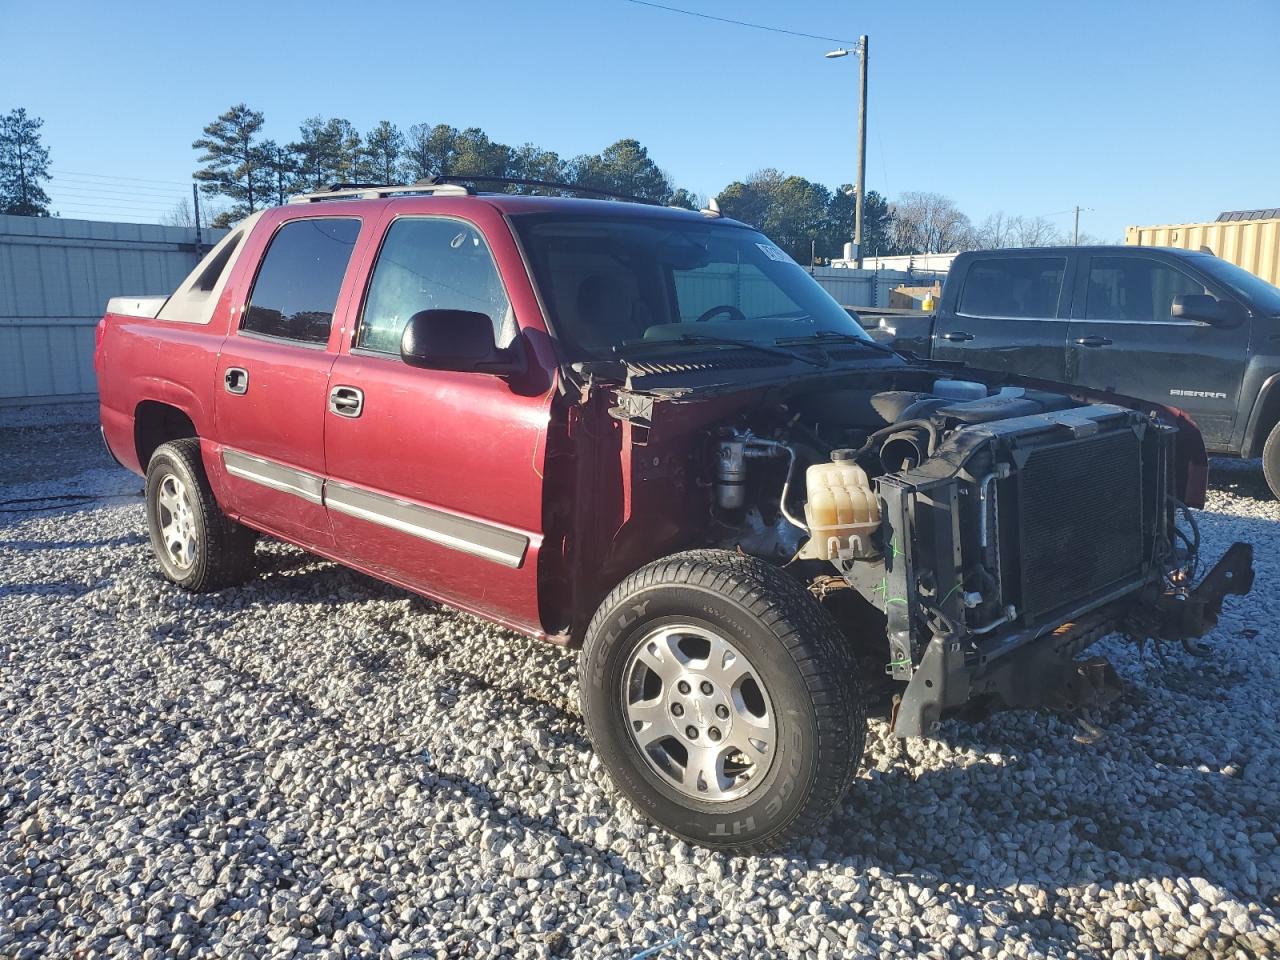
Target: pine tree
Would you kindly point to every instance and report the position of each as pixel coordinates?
(24, 163)
(383, 146)
(327, 151)
(234, 165)
(623, 167)
(281, 171)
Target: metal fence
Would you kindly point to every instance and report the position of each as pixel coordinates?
(868, 288)
(56, 276)
(756, 295)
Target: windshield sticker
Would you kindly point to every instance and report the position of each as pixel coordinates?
(773, 253)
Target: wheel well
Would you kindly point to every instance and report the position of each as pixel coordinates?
(155, 423)
(1267, 418)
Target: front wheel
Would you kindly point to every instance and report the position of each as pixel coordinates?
(722, 700)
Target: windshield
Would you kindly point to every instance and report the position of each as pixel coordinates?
(1259, 294)
(610, 281)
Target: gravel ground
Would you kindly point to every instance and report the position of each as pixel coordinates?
(318, 764)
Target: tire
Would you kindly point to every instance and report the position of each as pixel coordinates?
(210, 551)
(798, 675)
(1271, 461)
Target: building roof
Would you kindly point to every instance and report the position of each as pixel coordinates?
(1266, 213)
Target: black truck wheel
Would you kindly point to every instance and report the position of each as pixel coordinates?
(199, 547)
(722, 700)
(1271, 461)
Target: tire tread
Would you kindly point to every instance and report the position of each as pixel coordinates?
(812, 639)
(228, 546)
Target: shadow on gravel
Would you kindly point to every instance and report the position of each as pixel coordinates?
(881, 826)
(299, 577)
(1019, 816)
(1161, 794)
(57, 588)
(1241, 478)
(123, 540)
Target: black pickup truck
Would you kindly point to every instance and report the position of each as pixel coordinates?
(1176, 327)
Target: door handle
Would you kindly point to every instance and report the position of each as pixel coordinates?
(1092, 341)
(957, 336)
(236, 380)
(346, 401)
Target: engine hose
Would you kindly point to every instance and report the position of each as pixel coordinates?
(925, 425)
(1194, 545)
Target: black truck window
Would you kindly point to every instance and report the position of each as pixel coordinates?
(1134, 289)
(1013, 287)
(297, 287)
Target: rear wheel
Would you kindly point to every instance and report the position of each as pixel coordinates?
(198, 546)
(722, 700)
(1271, 460)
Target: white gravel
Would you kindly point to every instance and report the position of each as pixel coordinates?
(319, 765)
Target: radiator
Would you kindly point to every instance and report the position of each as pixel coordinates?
(1080, 519)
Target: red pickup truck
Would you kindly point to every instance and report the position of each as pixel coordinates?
(649, 432)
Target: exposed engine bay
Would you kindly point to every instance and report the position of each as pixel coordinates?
(976, 518)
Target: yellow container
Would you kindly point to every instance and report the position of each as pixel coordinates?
(841, 509)
(1251, 244)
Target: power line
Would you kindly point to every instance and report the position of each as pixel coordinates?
(124, 200)
(136, 197)
(117, 185)
(106, 176)
(740, 23)
(108, 203)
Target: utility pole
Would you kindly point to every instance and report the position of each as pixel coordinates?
(860, 198)
(1075, 237)
(862, 150)
(195, 206)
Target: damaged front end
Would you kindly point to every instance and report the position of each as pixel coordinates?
(1019, 543)
(992, 531)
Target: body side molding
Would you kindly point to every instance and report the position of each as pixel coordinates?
(475, 537)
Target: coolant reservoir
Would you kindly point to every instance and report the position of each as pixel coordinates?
(841, 510)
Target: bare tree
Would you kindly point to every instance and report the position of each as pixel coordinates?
(930, 223)
(1037, 232)
(996, 232)
(182, 214)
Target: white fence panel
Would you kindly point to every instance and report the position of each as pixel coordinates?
(56, 277)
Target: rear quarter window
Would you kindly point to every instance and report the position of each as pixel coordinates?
(1013, 287)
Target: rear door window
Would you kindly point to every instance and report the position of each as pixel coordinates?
(1134, 289)
(1013, 287)
(296, 291)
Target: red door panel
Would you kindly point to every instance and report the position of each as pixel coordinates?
(438, 482)
(272, 450)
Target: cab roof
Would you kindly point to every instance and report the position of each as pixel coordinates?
(609, 205)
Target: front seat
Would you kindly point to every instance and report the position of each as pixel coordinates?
(608, 312)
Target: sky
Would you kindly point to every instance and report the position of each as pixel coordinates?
(1140, 111)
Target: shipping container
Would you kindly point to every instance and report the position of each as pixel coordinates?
(1251, 244)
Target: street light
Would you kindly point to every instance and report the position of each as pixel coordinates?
(861, 51)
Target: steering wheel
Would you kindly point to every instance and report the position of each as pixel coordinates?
(726, 308)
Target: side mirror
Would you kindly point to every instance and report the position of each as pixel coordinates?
(1201, 307)
(459, 340)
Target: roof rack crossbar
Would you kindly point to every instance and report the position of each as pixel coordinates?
(458, 178)
(453, 185)
(376, 191)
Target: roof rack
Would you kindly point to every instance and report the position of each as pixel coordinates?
(453, 185)
(377, 191)
(459, 178)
